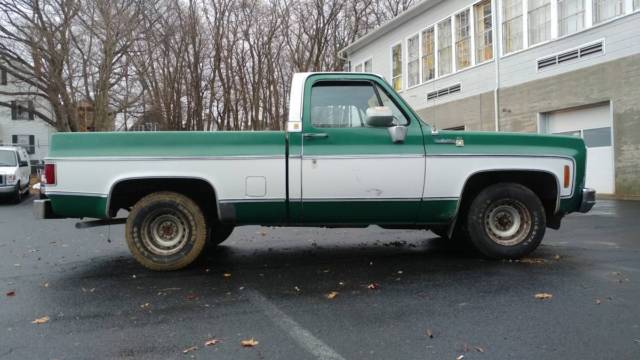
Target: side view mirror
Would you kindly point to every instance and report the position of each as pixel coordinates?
(379, 116)
(398, 133)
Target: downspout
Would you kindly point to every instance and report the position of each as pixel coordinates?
(498, 50)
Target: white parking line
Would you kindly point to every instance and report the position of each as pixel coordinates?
(303, 337)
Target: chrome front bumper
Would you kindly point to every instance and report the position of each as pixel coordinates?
(42, 209)
(588, 200)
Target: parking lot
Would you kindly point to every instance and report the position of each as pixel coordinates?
(305, 293)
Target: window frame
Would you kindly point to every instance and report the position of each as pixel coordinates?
(433, 53)
(392, 77)
(377, 87)
(452, 61)
(548, 6)
(592, 3)
(470, 38)
(418, 59)
(492, 31)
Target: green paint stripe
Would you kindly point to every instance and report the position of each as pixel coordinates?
(75, 206)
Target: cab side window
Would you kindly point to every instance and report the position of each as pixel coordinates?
(344, 104)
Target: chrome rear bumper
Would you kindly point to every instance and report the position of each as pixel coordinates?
(588, 200)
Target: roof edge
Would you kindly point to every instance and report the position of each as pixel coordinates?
(388, 26)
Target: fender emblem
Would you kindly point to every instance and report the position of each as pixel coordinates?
(459, 142)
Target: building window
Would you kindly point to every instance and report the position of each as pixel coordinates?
(484, 31)
(358, 68)
(636, 4)
(22, 110)
(570, 16)
(26, 141)
(413, 61)
(444, 48)
(606, 9)
(368, 66)
(396, 71)
(511, 25)
(3, 77)
(463, 39)
(539, 21)
(428, 55)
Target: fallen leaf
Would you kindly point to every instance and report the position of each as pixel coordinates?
(145, 306)
(543, 296)
(460, 357)
(479, 349)
(42, 320)
(227, 275)
(188, 350)
(373, 286)
(598, 302)
(45, 285)
(249, 343)
(212, 342)
(532, 261)
(11, 293)
(430, 333)
(332, 295)
(296, 289)
(557, 257)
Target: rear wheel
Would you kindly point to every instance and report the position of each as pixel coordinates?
(506, 221)
(166, 231)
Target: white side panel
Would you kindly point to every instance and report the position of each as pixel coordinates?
(446, 175)
(362, 178)
(228, 176)
(295, 178)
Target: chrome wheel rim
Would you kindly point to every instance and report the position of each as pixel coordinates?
(507, 222)
(165, 232)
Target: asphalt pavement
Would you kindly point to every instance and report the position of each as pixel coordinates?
(305, 293)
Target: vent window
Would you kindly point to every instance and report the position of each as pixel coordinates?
(443, 92)
(579, 53)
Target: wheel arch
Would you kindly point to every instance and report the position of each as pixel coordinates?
(190, 186)
(545, 184)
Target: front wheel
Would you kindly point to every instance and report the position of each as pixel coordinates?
(17, 196)
(506, 221)
(166, 231)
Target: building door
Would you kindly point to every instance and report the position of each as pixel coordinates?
(594, 125)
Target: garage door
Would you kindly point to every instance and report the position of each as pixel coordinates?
(593, 124)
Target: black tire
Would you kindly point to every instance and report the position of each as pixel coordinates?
(218, 233)
(506, 221)
(166, 231)
(17, 196)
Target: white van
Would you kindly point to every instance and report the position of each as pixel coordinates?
(15, 169)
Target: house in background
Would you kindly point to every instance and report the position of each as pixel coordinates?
(19, 125)
(567, 67)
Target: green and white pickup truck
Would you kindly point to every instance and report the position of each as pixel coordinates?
(353, 154)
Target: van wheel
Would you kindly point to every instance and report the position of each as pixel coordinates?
(166, 231)
(219, 233)
(506, 221)
(17, 196)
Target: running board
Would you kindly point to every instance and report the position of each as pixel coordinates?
(96, 223)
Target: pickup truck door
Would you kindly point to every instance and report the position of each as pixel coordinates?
(353, 173)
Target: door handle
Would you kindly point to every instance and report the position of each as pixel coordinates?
(315, 135)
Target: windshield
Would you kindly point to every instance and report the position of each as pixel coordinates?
(7, 158)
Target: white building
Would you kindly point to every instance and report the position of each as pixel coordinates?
(549, 66)
(19, 125)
